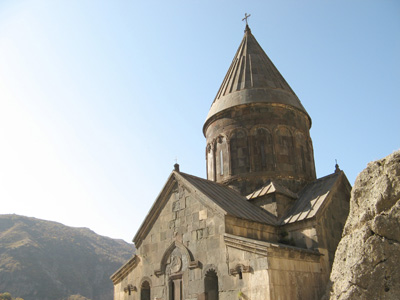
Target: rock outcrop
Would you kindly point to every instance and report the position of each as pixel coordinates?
(367, 258)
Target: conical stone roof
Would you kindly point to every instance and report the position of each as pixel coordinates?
(252, 78)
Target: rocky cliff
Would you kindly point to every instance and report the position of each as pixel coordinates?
(367, 258)
(49, 261)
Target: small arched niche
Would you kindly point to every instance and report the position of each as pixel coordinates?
(211, 285)
(221, 158)
(210, 162)
(145, 290)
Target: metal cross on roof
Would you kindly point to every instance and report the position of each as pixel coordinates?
(245, 17)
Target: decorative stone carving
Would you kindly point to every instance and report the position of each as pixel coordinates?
(130, 288)
(176, 264)
(239, 269)
(176, 206)
(170, 263)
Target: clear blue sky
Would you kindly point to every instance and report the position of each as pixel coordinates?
(97, 98)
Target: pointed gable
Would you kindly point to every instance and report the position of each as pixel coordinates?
(155, 210)
(313, 197)
(211, 194)
(270, 188)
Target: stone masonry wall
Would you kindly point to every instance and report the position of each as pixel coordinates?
(260, 142)
(192, 227)
(187, 241)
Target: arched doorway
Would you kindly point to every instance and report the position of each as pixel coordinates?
(211, 285)
(175, 288)
(145, 291)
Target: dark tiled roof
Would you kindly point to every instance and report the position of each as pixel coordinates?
(311, 198)
(229, 200)
(251, 78)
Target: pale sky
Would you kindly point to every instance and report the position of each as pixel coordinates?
(98, 98)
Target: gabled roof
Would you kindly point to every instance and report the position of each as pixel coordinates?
(312, 198)
(229, 200)
(226, 199)
(269, 188)
(253, 78)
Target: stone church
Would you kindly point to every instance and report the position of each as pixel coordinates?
(261, 226)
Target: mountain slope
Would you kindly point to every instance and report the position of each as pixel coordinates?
(50, 261)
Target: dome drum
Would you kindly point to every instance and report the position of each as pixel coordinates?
(248, 145)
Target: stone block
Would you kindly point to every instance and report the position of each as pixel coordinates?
(203, 215)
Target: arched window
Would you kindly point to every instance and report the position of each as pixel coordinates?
(221, 157)
(145, 291)
(211, 285)
(221, 163)
(210, 162)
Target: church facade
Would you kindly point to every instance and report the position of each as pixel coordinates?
(261, 226)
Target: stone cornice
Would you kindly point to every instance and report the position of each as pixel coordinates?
(269, 249)
(122, 272)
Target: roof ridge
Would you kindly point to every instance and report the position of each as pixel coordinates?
(232, 202)
(209, 181)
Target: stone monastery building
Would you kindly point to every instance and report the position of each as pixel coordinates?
(261, 226)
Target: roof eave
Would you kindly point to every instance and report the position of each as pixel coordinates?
(154, 210)
(126, 268)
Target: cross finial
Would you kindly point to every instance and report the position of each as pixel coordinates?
(337, 169)
(176, 165)
(245, 18)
